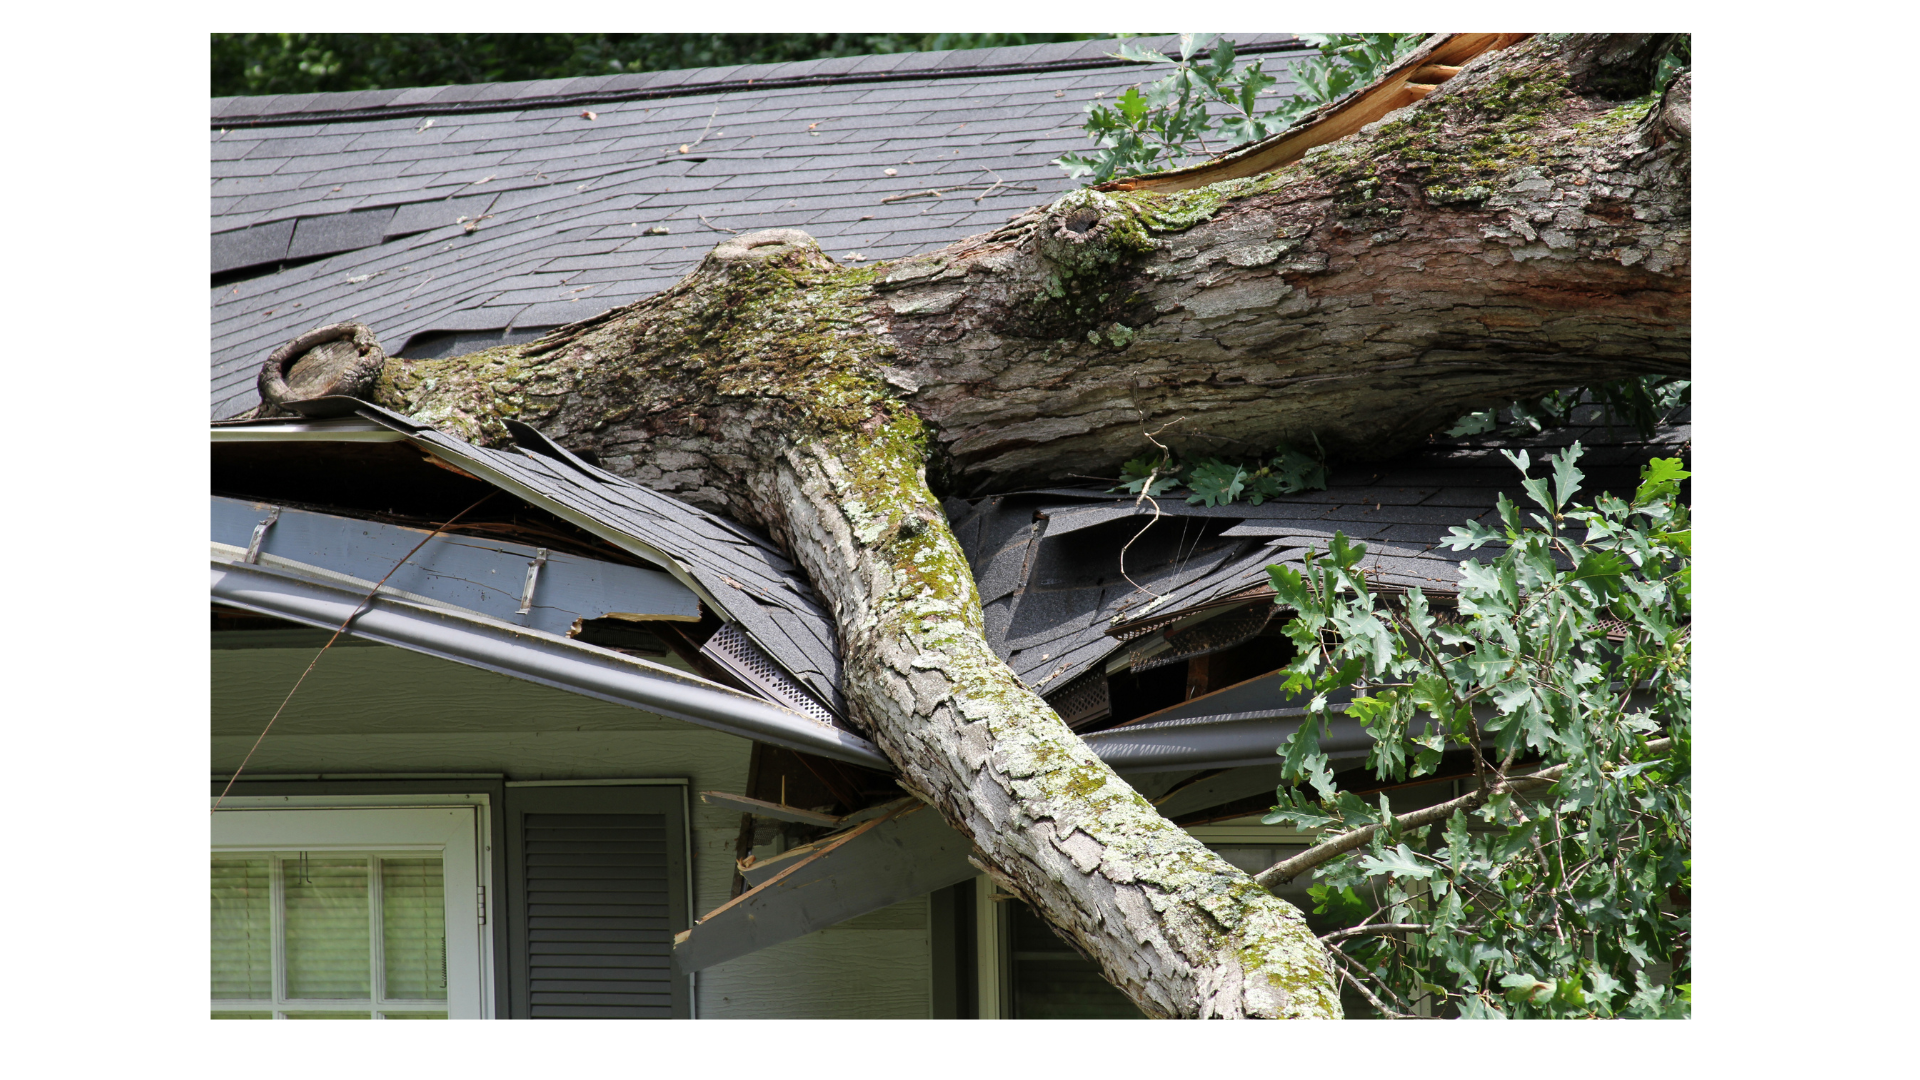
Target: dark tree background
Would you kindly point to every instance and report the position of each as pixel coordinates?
(318, 63)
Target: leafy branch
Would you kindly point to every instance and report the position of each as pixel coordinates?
(1207, 102)
(1645, 402)
(1214, 481)
(1559, 891)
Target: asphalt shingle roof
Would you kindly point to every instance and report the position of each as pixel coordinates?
(373, 186)
(1048, 565)
(753, 585)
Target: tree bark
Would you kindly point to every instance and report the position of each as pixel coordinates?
(1514, 231)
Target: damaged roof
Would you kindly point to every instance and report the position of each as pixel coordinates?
(454, 218)
(1059, 600)
(743, 576)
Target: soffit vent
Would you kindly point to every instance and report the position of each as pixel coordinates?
(1083, 701)
(733, 650)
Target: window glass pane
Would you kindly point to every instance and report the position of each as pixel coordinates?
(327, 937)
(268, 1015)
(413, 917)
(242, 929)
(1052, 982)
(329, 1016)
(413, 1016)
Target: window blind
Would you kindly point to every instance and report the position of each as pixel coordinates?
(328, 937)
(414, 928)
(242, 928)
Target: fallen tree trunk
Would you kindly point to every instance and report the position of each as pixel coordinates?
(1521, 228)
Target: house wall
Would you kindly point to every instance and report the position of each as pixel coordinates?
(373, 709)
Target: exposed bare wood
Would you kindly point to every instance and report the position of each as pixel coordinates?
(762, 808)
(1336, 120)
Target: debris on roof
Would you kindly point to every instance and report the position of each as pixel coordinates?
(358, 206)
(1062, 602)
(742, 577)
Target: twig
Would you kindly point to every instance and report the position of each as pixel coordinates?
(1345, 842)
(420, 286)
(1373, 928)
(941, 193)
(716, 228)
(1145, 493)
(703, 131)
(365, 602)
(1364, 992)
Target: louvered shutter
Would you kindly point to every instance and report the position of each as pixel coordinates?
(598, 889)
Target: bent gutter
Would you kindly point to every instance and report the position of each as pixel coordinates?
(1223, 741)
(516, 652)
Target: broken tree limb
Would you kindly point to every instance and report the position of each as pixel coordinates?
(1282, 872)
(1508, 234)
(1332, 121)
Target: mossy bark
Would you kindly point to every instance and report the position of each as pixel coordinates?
(1510, 234)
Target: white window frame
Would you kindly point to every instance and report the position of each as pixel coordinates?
(334, 826)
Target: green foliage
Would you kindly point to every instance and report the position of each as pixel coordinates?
(1645, 402)
(1570, 648)
(313, 63)
(1674, 59)
(1212, 481)
(1205, 103)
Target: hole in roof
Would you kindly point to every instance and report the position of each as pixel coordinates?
(260, 270)
(437, 344)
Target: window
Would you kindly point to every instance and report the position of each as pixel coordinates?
(1022, 969)
(348, 913)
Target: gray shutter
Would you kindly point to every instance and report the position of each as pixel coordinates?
(597, 889)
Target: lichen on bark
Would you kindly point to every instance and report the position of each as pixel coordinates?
(1509, 234)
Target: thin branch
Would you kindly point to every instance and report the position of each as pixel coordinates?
(1146, 492)
(703, 131)
(941, 193)
(1349, 961)
(1374, 928)
(1345, 842)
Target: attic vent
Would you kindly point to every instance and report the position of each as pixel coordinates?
(733, 650)
(1084, 700)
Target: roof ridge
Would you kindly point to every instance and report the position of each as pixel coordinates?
(273, 110)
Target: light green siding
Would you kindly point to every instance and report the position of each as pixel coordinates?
(383, 710)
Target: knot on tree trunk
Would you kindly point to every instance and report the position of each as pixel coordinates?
(339, 360)
(787, 248)
(1676, 106)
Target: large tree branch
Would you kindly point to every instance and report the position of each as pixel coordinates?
(1507, 234)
